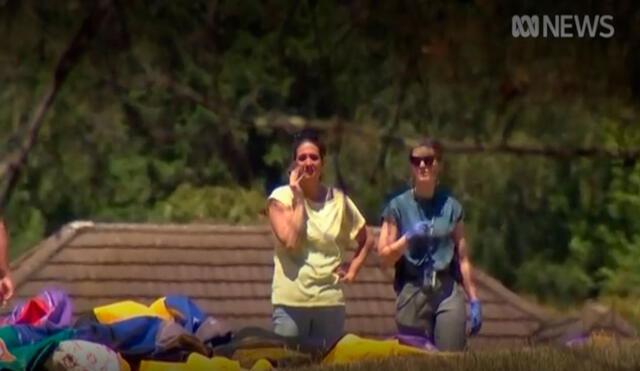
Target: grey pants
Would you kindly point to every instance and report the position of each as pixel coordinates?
(324, 324)
(437, 312)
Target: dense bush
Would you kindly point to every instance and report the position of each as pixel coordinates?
(181, 111)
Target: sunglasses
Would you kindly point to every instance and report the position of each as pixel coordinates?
(304, 157)
(417, 160)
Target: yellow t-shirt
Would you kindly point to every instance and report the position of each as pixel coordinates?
(305, 277)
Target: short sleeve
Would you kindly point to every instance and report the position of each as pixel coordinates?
(458, 212)
(356, 220)
(282, 194)
(391, 212)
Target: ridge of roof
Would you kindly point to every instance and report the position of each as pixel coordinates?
(531, 308)
(592, 316)
(28, 267)
(34, 257)
(29, 262)
(182, 228)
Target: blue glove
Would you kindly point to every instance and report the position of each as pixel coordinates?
(419, 229)
(476, 316)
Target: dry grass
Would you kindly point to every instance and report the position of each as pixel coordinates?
(611, 356)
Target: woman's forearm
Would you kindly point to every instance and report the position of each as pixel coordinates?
(4, 244)
(288, 223)
(296, 224)
(467, 280)
(390, 253)
(465, 263)
(361, 253)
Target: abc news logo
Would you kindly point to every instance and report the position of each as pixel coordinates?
(562, 26)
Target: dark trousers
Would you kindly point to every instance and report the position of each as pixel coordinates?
(438, 312)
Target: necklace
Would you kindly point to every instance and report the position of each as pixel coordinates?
(428, 242)
(431, 219)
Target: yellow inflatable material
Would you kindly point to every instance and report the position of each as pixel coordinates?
(262, 365)
(124, 310)
(197, 362)
(352, 348)
(160, 309)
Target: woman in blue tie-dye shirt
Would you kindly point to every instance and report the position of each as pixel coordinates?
(422, 234)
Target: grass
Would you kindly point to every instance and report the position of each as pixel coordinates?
(627, 307)
(610, 356)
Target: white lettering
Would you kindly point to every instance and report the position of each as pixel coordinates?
(562, 26)
(565, 25)
(593, 27)
(548, 25)
(606, 25)
(518, 28)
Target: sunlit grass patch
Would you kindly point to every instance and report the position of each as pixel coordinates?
(592, 356)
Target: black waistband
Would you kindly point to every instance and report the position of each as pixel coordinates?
(407, 272)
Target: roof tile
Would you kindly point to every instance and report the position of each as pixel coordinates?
(227, 270)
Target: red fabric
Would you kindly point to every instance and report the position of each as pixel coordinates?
(32, 312)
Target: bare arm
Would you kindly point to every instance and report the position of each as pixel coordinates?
(4, 244)
(365, 243)
(465, 263)
(6, 284)
(287, 223)
(390, 248)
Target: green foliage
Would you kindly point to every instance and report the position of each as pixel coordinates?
(30, 219)
(621, 234)
(173, 115)
(553, 282)
(211, 204)
(628, 307)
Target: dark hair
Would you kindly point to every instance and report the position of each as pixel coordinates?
(305, 136)
(429, 143)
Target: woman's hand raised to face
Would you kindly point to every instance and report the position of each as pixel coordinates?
(295, 176)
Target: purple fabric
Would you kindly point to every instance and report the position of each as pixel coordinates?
(61, 309)
(58, 315)
(577, 340)
(417, 341)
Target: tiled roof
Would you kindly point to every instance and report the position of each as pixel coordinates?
(593, 319)
(227, 271)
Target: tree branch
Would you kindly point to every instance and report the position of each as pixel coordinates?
(387, 138)
(10, 168)
(189, 94)
(236, 158)
(453, 147)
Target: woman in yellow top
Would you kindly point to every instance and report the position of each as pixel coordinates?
(315, 226)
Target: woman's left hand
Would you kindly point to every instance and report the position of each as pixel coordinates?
(349, 277)
(475, 315)
(345, 273)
